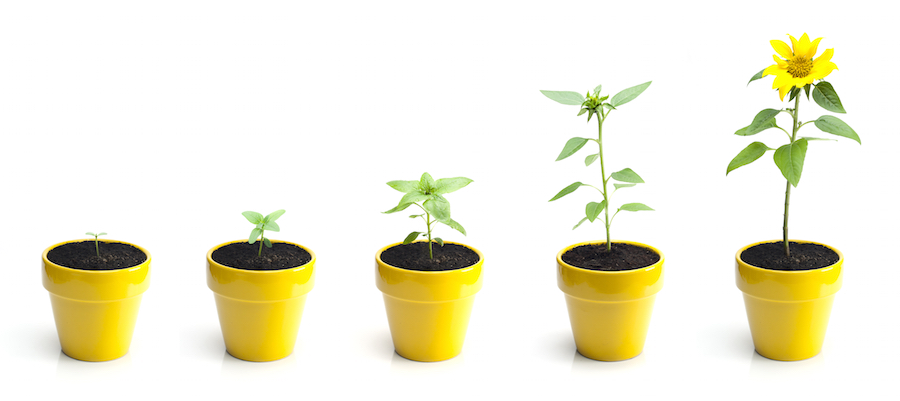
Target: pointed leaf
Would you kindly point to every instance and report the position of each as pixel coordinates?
(274, 215)
(439, 241)
(597, 90)
(629, 94)
(565, 97)
(267, 243)
(448, 185)
(254, 235)
(271, 226)
(567, 190)
(253, 217)
(438, 207)
(789, 159)
(762, 121)
(411, 237)
(426, 183)
(593, 209)
(806, 89)
(825, 96)
(404, 186)
(591, 159)
(627, 175)
(634, 207)
(757, 129)
(809, 138)
(835, 126)
(794, 92)
(582, 111)
(758, 75)
(412, 216)
(579, 223)
(454, 225)
(89, 233)
(752, 152)
(572, 146)
(617, 185)
(401, 206)
(101, 234)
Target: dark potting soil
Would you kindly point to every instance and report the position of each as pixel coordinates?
(620, 257)
(804, 256)
(83, 255)
(243, 255)
(414, 256)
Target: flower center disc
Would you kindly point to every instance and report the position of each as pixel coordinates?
(799, 66)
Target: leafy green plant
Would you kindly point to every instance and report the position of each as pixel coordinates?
(436, 207)
(795, 75)
(96, 241)
(263, 224)
(595, 105)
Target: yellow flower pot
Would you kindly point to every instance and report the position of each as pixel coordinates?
(610, 310)
(259, 310)
(428, 311)
(788, 310)
(95, 310)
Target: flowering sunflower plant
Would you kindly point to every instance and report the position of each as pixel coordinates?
(796, 71)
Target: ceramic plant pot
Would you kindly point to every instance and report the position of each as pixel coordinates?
(428, 311)
(95, 310)
(788, 311)
(610, 310)
(259, 310)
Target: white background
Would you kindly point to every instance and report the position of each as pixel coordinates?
(161, 122)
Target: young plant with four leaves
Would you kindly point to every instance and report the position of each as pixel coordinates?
(263, 224)
(796, 72)
(595, 105)
(96, 241)
(435, 206)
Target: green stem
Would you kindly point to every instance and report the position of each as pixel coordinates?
(262, 239)
(600, 119)
(787, 192)
(97, 245)
(430, 252)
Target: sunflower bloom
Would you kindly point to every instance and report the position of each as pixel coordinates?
(797, 67)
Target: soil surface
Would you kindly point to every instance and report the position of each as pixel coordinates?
(243, 255)
(804, 256)
(83, 255)
(414, 256)
(620, 257)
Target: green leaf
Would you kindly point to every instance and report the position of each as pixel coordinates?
(409, 199)
(448, 185)
(835, 126)
(454, 225)
(627, 175)
(438, 207)
(267, 243)
(101, 234)
(579, 223)
(760, 128)
(401, 206)
(591, 159)
(565, 97)
(609, 106)
(572, 146)
(789, 159)
(89, 233)
(253, 217)
(806, 89)
(752, 152)
(794, 92)
(597, 90)
(582, 112)
(758, 75)
(404, 186)
(411, 237)
(809, 138)
(761, 122)
(412, 216)
(593, 209)
(274, 215)
(567, 190)
(617, 185)
(439, 241)
(255, 234)
(825, 96)
(634, 207)
(426, 183)
(271, 226)
(629, 94)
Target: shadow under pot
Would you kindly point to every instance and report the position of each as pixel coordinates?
(610, 309)
(260, 299)
(788, 300)
(428, 309)
(95, 299)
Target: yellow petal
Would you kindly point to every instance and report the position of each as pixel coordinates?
(802, 47)
(784, 90)
(813, 48)
(782, 48)
(772, 70)
(781, 63)
(794, 44)
(782, 80)
(822, 70)
(825, 57)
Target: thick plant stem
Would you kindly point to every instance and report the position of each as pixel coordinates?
(430, 252)
(787, 192)
(97, 245)
(261, 239)
(600, 119)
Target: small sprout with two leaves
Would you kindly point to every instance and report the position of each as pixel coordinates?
(593, 104)
(435, 206)
(96, 241)
(263, 224)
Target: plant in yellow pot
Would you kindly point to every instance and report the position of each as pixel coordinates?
(429, 286)
(789, 285)
(610, 286)
(260, 291)
(95, 289)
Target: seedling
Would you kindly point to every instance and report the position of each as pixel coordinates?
(263, 224)
(434, 204)
(594, 104)
(96, 242)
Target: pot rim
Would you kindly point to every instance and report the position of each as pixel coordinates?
(218, 265)
(461, 269)
(49, 263)
(658, 263)
(746, 265)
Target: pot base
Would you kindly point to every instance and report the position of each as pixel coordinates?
(610, 331)
(95, 331)
(788, 331)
